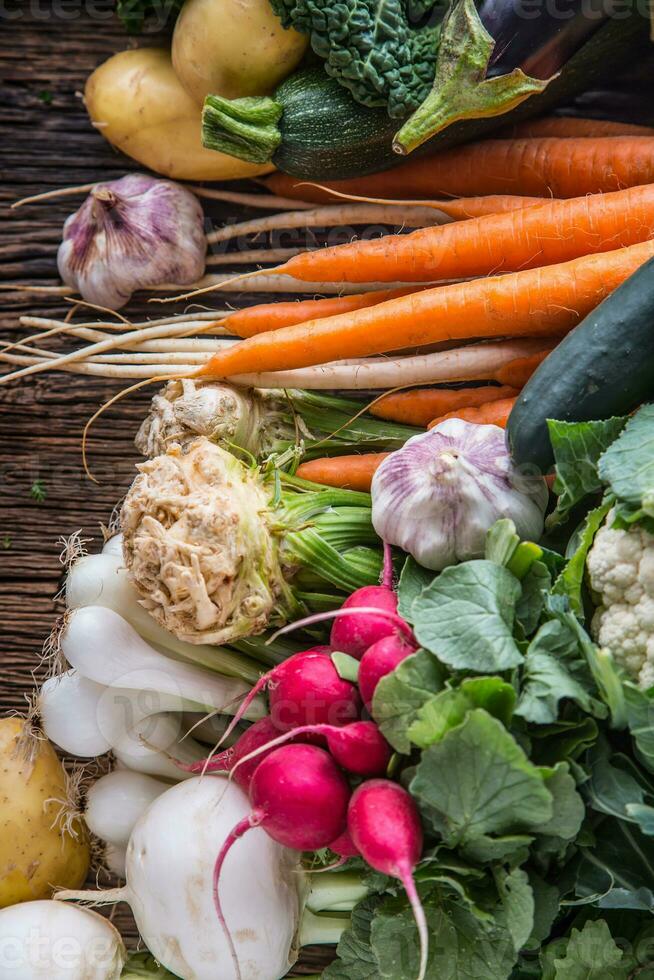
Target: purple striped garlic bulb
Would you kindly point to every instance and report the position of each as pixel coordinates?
(130, 234)
(437, 496)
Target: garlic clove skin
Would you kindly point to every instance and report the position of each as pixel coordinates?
(437, 496)
(130, 234)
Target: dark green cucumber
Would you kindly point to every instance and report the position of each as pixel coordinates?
(313, 129)
(604, 367)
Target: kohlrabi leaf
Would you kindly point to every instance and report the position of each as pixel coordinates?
(517, 901)
(399, 696)
(568, 809)
(466, 617)
(627, 466)
(447, 709)
(553, 671)
(577, 448)
(413, 579)
(618, 869)
(589, 954)
(477, 781)
(611, 787)
(638, 708)
(501, 542)
(347, 667)
(546, 908)
(535, 586)
(513, 849)
(355, 958)
(570, 581)
(563, 740)
(461, 946)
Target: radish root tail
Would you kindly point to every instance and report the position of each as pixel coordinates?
(421, 920)
(241, 828)
(245, 704)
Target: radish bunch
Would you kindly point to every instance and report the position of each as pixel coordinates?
(302, 793)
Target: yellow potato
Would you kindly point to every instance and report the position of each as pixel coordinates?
(138, 104)
(233, 48)
(41, 846)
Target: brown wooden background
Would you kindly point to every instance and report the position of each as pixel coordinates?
(47, 48)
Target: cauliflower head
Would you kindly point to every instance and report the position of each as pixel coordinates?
(621, 571)
(199, 546)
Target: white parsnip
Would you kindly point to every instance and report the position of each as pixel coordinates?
(330, 216)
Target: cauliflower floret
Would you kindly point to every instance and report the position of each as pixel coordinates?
(621, 569)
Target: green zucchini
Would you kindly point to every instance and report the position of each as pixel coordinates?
(313, 129)
(604, 367)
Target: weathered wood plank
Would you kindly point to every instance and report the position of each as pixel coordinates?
(45, 146)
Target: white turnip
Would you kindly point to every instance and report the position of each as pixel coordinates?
(46, 940)
(116, 801)
(170, 888)
(299, 796)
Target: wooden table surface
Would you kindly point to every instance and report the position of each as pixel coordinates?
(47, 49)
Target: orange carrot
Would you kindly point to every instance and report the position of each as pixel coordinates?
(545, 167)
(494, 413)
(571, 126)
(555, 231)
(537, 302)
(272, 316)
(420, 406)
(517, 373)
(458, 208)
(347, 472)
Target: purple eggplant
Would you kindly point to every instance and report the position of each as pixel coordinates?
(496, 54)
(538, 38)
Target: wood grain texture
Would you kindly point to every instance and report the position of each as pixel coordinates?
(47, 48)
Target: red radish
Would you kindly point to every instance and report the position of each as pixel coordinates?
(309, 691)
(354, 634)
(384, 824)
(360, 747)
(256, 737)
(305, 689)
(300, 798)
(344, 846)
(381, 659)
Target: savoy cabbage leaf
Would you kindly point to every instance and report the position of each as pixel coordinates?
(383, 51)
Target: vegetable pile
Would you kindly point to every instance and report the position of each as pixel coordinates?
(367, 658)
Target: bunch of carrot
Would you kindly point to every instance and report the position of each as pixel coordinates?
(517, 266)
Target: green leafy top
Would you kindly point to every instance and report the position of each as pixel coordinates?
(531, 761)
(380, 50)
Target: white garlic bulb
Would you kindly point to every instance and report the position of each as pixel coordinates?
(129, 234)
(437, 496)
